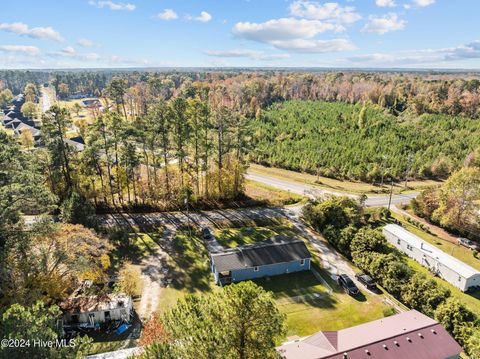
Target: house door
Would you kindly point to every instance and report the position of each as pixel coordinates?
(107, 316)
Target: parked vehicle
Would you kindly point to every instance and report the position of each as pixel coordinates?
(347, 284)
(468, 243)
(366, 280)
(207, 234)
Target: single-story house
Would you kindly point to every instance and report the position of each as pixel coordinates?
(410, 335)
(91, 310)
(91, 103)
(36, 134)
(440, 263)
(275, 256)
(77, 143)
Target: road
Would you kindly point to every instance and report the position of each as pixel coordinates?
(46, 100)
(305, 189)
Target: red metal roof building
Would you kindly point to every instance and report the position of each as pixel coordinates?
(409, 335)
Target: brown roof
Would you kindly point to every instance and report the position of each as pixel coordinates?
(406, 335)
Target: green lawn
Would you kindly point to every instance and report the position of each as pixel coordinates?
(270, 195)
(190, 269)
(233, 237)
(133, 248)
(339, 185)
(455, 250)
(310, 308)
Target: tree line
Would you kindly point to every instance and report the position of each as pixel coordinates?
(362, 141)
(192, 148)
(418, 93)
(454, 205)
(352, 231)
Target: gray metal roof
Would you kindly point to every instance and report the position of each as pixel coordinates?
(275, 250)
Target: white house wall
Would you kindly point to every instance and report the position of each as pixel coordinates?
(422, 257)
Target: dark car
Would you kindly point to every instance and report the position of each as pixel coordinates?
(366, 280)
(207, 234)
(347, 284)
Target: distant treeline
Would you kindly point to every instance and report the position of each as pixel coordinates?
(361, 142)
(436, 93)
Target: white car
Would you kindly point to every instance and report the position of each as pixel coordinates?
(467, 243)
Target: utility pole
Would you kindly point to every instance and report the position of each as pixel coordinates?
(409, 167)
(391, 192)
(188, 218)
(384, 159)
(320, 151)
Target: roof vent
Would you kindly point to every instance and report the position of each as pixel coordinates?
(409, 340)
(396, 343)
(420, 335)
(385, 346)
(367, 352)
(433, 331)
(345, 355)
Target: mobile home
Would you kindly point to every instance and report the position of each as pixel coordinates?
(437, 261)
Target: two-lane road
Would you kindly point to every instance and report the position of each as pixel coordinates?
(305, 189)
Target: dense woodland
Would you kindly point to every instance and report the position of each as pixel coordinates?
(362, 141)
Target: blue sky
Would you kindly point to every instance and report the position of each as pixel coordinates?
(345, 33)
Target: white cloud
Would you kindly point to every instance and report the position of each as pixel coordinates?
(281, 29)
(245, 53)
(20, 28)
(69, 50)
(20, 49)
(113, 5)
(315, 46)
(330, 12)
(423, 3)
(385, 3)
(425, 56)
(383, 24)
(292, 34)
(167, 14)
(85, 42)
(204, 17)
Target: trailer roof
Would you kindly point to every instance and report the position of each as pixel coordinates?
(447, 260)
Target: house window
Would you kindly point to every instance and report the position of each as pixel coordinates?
(255, 269)
(409, 247)
(459, 278)
(398, 241)
(302, 262)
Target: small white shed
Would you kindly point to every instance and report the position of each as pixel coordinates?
(437, 261)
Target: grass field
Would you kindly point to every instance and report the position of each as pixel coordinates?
(310, 308)
(233, 237)
(462, 253)
(190, 270)
(271, 195)
(340, 185)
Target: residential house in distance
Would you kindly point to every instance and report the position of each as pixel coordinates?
(77, 143)
(279, 255)
(408, 335)
(92, 310)
(15, 120)
(440, 263)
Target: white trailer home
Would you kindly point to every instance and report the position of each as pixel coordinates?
(440, 263)
(93, 310)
